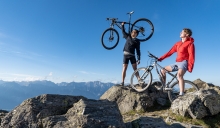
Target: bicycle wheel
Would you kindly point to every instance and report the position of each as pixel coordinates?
(110, 38)
(145, 76)
(145, 28)
(189, 87)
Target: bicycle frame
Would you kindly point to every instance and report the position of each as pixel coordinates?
(155, 64)
(118, 23)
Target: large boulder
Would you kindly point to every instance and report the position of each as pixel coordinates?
(128, 99)
(204, 85)
(205, 102)
(62, 111)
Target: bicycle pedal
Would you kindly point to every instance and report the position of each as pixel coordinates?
(168, 89)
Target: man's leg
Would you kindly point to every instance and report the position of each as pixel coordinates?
(124, 69)
(180, 75)
(163, 73)
(135, 67)
(141, 82)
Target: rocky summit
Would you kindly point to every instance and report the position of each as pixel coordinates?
(60, 111)
(128, 99)
(118, 107)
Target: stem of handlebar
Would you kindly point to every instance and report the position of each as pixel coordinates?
(151, 55)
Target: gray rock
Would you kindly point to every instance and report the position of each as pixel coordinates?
(204, 85)
(129, 100)
(161, 101)
(149, 122)
(197, 105)
(60, 111)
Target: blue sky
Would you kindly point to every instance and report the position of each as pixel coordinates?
(60, 40)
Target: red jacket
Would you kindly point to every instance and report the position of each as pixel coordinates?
(185, 51)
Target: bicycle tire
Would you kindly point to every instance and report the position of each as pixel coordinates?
(108, 42)
(189, 87)
(145, 75)
(145, 28)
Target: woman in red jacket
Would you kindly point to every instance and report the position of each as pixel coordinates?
(185, 57)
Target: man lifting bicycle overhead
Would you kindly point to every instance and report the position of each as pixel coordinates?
(185, 57)
(132, 44)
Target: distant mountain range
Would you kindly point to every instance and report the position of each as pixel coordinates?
(14, 93)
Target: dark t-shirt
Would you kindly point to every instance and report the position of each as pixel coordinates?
(131, 44)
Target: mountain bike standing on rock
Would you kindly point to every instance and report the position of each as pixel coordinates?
(171, 87)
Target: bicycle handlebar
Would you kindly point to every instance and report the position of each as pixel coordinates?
(113, 19)
(152, 56)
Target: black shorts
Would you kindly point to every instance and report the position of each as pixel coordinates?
(129, 57)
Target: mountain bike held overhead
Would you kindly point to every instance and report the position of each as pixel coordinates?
(110, 37)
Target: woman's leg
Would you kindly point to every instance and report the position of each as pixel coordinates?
(180, 75)
(163, 73)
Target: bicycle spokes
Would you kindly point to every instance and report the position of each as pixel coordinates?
(142, 30)
(110, 38)
(190, 87)
(141, 79)
(145, 28)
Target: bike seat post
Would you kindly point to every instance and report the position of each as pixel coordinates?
(129, 23)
